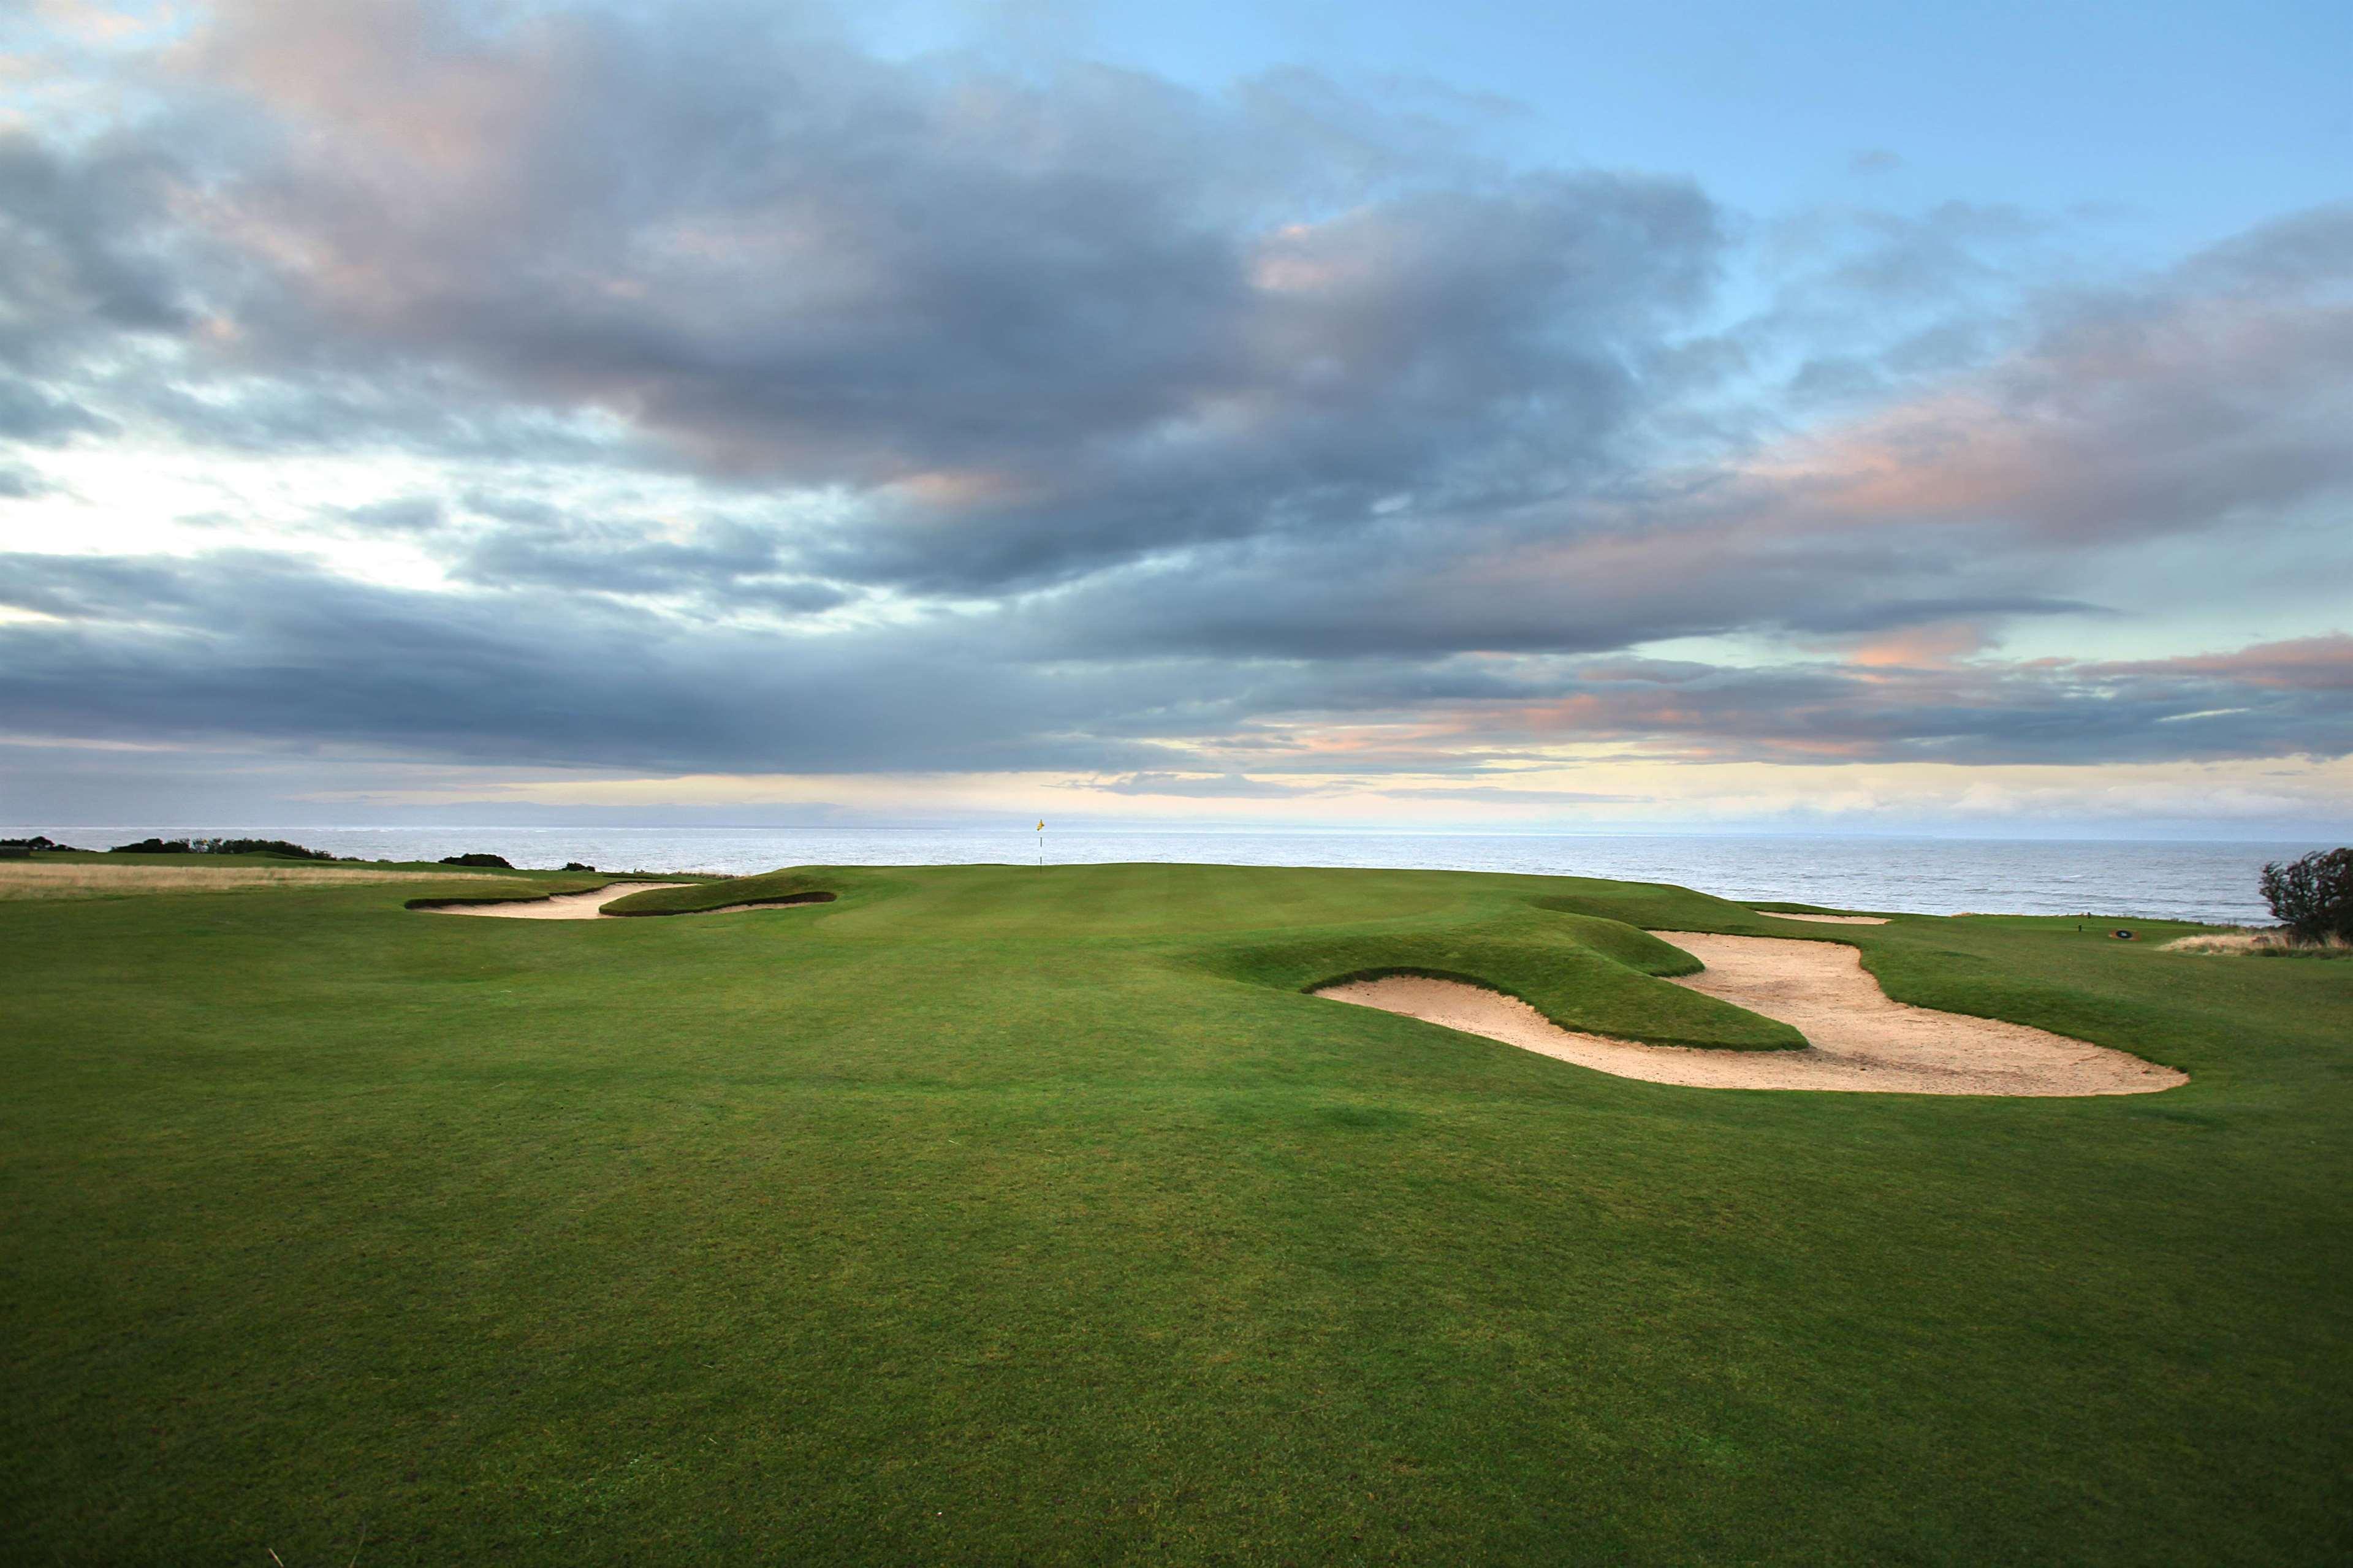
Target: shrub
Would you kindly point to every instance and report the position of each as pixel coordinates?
(278, 847)
(2313, 897)
(496, 862)
(577, 866)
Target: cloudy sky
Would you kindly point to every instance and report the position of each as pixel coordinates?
(1458, 413)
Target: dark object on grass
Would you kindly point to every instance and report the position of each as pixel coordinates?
(497, 862)
(2121, 934)
(155, 847)
(2313, 897)
(577, 866)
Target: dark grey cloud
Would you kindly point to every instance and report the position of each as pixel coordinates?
(18, 482)
(270, 648)
(402, 515)
(2268, 700)
(1039, 325)
(32, 412)
(2295, 253)
(339, 411)
(81, 256)
(1584, 585)
(716, 563)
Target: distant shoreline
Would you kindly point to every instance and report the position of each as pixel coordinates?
(2213, 881)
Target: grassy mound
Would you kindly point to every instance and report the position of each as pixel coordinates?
(1781, 907)
(1577, 984)
(512, 890)
(795, 886)
(1629, 945)
(1008, 1215)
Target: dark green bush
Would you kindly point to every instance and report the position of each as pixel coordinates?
(495, 862)
(2313, 897)
(278, 847)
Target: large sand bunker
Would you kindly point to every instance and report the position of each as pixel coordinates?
(590, 905)
(587, 906)
(1827, 920)
(1859, 1038)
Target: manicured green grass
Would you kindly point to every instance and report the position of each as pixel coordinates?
(1001, 1214)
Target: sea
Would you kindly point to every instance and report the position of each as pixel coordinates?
(2153, 880)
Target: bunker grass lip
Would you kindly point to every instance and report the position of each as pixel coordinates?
(595, 904)
(584, 906)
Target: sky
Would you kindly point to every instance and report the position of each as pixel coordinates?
(1933, 418)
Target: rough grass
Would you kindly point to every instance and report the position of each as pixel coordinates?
(2274, 943)
(998, 1215)
(43, 879)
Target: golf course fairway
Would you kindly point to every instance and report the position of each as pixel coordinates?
(1020, 1214)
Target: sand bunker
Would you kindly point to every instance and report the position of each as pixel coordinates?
(1859, 1038)
(587, 906)
(590, 905)
(1827, 920)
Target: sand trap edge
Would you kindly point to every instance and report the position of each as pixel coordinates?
(723, 909)
(467, 902)
(1487, 987)
(1474, 1007)
(543, 906)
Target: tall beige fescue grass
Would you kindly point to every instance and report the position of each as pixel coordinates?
(2248, 942)
(24, 880)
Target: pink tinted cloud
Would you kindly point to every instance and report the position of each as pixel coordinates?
(2172, 417)
(2301, 663)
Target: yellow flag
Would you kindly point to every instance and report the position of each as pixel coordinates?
(1041, 828)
